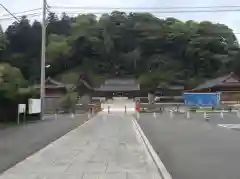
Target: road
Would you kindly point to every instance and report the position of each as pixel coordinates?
(106, 147)
(194, 149)
(215, 118)
(18, 142)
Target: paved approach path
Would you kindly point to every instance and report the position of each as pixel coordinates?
(105, 147)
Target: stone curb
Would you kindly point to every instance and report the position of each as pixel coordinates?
(159, 164)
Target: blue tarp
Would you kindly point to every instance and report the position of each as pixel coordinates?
(202, 99)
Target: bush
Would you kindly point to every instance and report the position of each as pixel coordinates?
(14, 90)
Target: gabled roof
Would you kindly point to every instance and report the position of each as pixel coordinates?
(119, 84)
(118, 88)
(121, 81)
(217, 81)
(50, 83)
(86, 84)
(172, 87)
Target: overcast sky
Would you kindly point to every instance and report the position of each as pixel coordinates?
(232, 19)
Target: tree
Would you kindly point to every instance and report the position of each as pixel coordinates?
(11, 81)
(58, 47)
(14, 90)
(152, 80)
(68, 102)
(121, 43)
(3, 40)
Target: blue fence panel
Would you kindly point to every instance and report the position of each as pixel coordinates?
(202, 99)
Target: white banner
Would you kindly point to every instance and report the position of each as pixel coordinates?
(34, 106)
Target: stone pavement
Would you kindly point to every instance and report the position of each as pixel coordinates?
(106, 147)
(119, 105)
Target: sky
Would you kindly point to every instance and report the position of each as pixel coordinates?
(231, 19)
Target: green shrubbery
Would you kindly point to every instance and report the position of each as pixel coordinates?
(13, 91)
(68, 102)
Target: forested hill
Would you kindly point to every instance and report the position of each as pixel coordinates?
(155, 50)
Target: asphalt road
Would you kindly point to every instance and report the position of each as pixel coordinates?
(194, 149)
(215, 118)
(18, 142)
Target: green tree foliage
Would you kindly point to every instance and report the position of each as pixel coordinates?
(68, 102)
(11, 82)
(119, 43)
(3, 40)
(14, 89)
(58, 49)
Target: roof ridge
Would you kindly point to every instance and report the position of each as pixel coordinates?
(86, 84)
(214, 81)
(54, 81)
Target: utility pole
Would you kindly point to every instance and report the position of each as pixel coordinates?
(43, 58)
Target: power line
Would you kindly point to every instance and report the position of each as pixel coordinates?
(145, 8)
(80, 12)
(21, 12)
(154, 12)
(150, 10)
(9, 12)
(28, 15)
(161, 12)
(7, 16)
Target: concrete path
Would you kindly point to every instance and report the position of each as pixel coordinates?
(106, 147)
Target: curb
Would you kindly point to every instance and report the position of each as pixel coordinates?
(157, 161)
